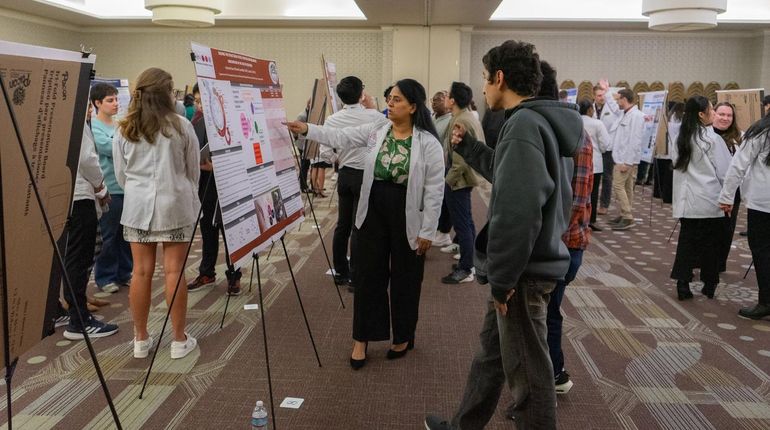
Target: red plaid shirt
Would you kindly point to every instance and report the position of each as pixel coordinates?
(578, 233)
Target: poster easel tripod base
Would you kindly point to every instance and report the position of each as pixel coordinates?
(10, 363)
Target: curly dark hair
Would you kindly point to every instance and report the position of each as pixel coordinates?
(520, 65)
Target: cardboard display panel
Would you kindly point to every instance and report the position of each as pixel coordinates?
(48, 89)
(748, 105)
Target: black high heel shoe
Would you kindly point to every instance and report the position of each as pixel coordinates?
(392, 355)
(357, 364)
(683, 290)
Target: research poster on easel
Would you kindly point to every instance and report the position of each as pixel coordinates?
(48, 92)
(653, 107)
(254, 166)
(330, 75)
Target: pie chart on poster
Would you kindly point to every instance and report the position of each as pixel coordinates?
(245, 125)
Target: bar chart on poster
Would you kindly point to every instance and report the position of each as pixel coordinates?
(254, 167)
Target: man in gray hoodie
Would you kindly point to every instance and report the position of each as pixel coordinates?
(520, 250)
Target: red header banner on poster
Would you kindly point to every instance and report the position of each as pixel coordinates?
(251, 150)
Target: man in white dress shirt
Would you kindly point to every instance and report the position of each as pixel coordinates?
(626, 137)
(351, 173)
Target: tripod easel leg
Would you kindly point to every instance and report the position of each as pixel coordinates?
(255, 262)
(747, 270)
(299, 299)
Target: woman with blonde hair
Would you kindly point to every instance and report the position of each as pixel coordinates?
(157, 164)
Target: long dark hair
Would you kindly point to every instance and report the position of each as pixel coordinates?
(691, 125)
(415, 94)
(760, 129)
(731, 135)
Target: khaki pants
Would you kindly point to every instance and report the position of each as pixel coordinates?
(623, 189)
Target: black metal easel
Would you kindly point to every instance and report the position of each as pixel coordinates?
(315, 220)
(10, 364)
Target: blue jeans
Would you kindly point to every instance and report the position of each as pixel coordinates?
(114, 264)
(459, 204)
(554, 318)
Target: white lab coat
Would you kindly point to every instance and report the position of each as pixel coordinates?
(749, 171)
(160, 179)
(600, 140)
(425, 188)
(696, 190)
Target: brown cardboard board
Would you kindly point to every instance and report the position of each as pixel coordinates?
(748, 105)
(49, 92)
(317, 115)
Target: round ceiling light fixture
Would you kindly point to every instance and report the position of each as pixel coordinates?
(184, 13)
(683, 15)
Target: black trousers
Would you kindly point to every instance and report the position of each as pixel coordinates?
(700, 241)
(759, 243)
(595, 196)
(729, 232)
(444, 219)
(664, 180)
(81, 242)
(211, 227)
(304, 167)
(384, 258)
(348, 190)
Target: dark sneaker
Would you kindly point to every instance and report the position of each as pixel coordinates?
(458, 276)
(61, 321)
(624, 224)
(563, 383)
(615, 220)
(433, 422)
(201, 282)
(595, 227)
(94, 328)
(234, 289)
(757, 312)
(743, 234)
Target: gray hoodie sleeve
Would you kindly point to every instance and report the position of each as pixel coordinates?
(478, 155)
(521, 188)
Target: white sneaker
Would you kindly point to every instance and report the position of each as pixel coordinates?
(110, 288)
(181, 349)
(456, 257)
(451, 249)
(142, 347)
(442, 239)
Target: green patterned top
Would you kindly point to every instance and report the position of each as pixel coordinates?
(393, 160)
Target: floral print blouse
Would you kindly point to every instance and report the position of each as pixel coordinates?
(393, 160)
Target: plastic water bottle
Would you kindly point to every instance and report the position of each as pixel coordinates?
(259, 417)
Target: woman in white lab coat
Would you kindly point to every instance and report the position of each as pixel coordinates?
(157, 162)
(700, 161)
(750, 169)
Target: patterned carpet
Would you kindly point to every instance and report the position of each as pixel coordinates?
(639, 358)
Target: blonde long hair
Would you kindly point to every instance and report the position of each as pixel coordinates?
(151, 109)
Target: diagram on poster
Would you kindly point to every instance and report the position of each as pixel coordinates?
(653, 108)
(254, 166)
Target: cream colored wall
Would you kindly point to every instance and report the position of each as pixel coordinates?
(411, 51)
(298, 54)
(444, 58)
(22, 28)
(635, 56)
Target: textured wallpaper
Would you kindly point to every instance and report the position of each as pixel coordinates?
(298, 54)
(13, 29)
(636, 56)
